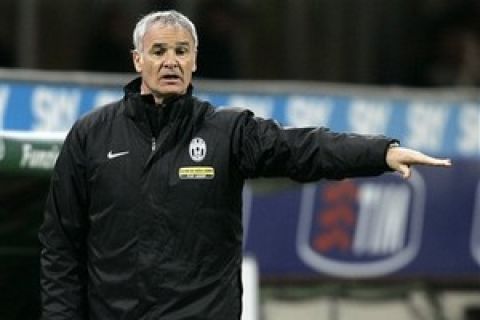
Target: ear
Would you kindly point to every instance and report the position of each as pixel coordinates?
(194, 67)
(137, 60)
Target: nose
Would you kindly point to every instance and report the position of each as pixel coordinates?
(170, 59)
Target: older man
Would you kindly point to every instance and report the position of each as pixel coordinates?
(143, 218)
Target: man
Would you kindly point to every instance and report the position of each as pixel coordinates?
(143, 218)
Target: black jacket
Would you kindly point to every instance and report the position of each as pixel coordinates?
(141, 228)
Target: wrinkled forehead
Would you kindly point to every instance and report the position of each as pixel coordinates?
(159, 32)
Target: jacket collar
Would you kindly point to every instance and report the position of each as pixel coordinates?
(136, 102)
(181, 116)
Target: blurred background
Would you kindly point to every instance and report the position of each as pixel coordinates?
(406, 68)
(407, 42)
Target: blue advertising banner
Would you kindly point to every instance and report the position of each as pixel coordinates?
(366, 228)
(448, 127)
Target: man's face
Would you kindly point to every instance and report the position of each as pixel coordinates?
(167, 61)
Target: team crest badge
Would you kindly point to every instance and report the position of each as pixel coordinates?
(197, 149)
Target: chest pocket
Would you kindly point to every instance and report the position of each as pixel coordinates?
(115, 180)
(194, 174)
(200, 192)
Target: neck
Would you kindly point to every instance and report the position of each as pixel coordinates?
(145, 90)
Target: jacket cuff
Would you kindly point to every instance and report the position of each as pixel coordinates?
(392, 143)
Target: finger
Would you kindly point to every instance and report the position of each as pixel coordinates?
(405, 171)
(423, 159)
(439, 162)
(445, 162)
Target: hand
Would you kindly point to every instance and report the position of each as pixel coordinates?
(400, 159)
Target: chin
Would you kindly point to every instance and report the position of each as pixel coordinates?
(172, 91)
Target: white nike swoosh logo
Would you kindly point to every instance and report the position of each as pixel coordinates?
(112, 155)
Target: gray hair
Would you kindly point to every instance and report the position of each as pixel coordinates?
(167, 18)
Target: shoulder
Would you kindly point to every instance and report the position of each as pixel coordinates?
(99, 117)
(228, 118)
(227, 114)
(90, 123)
(233, 112)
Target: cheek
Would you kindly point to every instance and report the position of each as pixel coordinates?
(149, 67)
(189, 66)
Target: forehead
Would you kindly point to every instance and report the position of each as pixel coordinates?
(159, 33)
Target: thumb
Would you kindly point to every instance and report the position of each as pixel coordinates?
(405, 171)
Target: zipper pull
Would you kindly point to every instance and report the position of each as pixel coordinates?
(154, 144)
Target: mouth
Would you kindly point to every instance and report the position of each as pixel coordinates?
(170, 77)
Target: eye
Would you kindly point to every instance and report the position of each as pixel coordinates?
(159, 52)
(180, 51)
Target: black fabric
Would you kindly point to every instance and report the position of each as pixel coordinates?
(127, 236)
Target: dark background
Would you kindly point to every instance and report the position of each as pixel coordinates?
(405, 42)
(418, 43)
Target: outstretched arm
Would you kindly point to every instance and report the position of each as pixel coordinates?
(264, 148)
(400, 159)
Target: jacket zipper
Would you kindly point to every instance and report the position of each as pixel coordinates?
(154, 144)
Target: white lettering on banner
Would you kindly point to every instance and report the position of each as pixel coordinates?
(4, 95)
(261, 106)
(55, 109)
(369, 117)
(38, 158)
(426, 123)
(104, 97)
(308, 111)
(469, 126)
(383, 217)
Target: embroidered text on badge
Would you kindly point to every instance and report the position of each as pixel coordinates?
(196, 173)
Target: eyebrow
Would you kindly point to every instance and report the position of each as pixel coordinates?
(180, 43)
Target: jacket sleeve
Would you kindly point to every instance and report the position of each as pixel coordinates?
(62, 237)
(263, 148)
